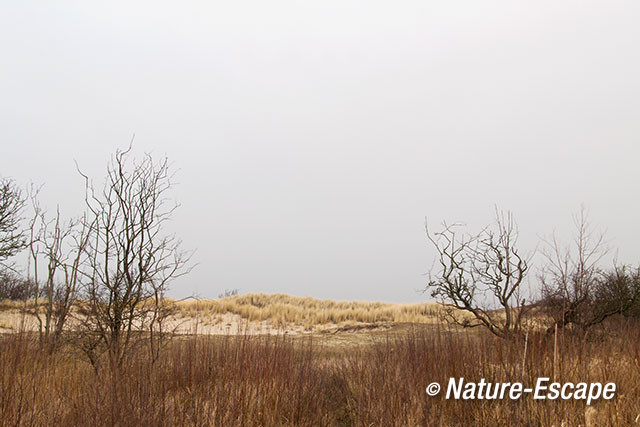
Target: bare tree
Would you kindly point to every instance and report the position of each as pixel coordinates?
(130, 260)
(481, 274)
(12, 235)
(571, 273)
(60, 246)
(576, 290)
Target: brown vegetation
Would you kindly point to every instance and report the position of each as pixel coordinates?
(251, 313)
(283, 310)
(287, 381)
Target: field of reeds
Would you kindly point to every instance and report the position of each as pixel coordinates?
(308, 380)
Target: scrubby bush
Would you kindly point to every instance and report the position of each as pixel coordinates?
(15, 288)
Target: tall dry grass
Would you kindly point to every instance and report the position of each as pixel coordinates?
(388, 385)
(200, 381)
(286, 310)
(280, 311)
(285, 381)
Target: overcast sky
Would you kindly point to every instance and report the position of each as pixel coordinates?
(312, 138)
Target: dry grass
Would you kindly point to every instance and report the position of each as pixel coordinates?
(283, 310)
(259, 313)
(378, 379)
(285, 381)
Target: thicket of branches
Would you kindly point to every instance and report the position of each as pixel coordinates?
(480, 278)
(107, 271)
(576, 290)
(12, 233)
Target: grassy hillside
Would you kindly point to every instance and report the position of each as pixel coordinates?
(251, 312)
(285, 310)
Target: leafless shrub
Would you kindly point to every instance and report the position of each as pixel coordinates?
(479, 274)
(617, 292)
(15, 287)
(229, 293)
(60, 246)
(572, 278)
(12, 235)
(131, 261)
(612, 292)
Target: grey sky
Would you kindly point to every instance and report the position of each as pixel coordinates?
(312, 138)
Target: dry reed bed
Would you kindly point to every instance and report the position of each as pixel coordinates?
(283, 381)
